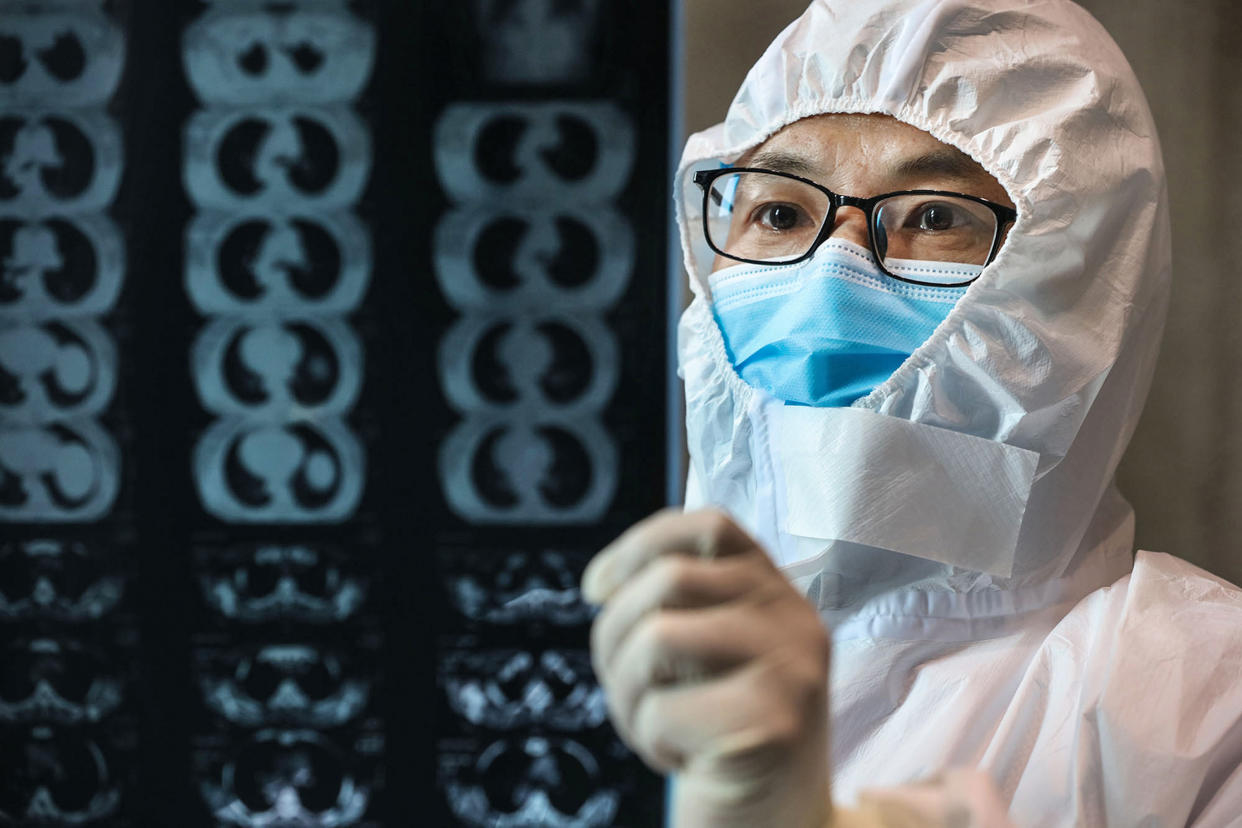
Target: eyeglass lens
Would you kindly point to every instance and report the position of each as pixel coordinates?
(771, 218)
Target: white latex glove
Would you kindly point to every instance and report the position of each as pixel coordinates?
(716, 668)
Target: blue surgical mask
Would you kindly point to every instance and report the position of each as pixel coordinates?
(827, 331)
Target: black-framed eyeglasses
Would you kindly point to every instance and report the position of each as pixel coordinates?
(927, 237)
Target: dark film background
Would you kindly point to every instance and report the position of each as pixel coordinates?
(332, 345)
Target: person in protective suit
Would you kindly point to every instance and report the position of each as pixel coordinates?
(929, 250)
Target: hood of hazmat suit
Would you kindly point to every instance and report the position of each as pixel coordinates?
(958, 528)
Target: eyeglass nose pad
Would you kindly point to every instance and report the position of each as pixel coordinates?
(850, 224)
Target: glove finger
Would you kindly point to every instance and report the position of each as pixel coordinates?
(674, 582)
(757, 710)
(708, 534)
(683, 646)
(670, 729)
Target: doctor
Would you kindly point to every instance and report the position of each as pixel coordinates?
(929, 249)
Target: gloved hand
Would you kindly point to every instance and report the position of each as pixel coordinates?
(716, 668)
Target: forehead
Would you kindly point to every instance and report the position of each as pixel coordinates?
(868, 154)
(854, 128)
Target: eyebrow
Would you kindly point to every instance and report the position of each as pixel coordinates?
(946, 162)
(783, 162)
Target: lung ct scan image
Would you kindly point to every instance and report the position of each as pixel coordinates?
(333, 344)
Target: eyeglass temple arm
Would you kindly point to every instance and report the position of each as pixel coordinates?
(704, 182)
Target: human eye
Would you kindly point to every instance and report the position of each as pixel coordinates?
(940, 217)
(780, 216)
(935, 227)
(770, 217)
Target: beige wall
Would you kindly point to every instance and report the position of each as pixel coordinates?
(1183, 472)
(723, 39)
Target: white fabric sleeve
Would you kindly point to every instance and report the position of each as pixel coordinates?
(961, 798)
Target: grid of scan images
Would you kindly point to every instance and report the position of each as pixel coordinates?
(332, 346)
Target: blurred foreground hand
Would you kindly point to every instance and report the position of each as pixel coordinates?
(715, 668)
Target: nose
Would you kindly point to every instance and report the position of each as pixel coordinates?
(850, 224)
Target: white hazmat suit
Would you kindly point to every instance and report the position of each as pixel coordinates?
(958, 529)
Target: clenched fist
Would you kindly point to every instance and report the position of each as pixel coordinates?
(714, 667)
